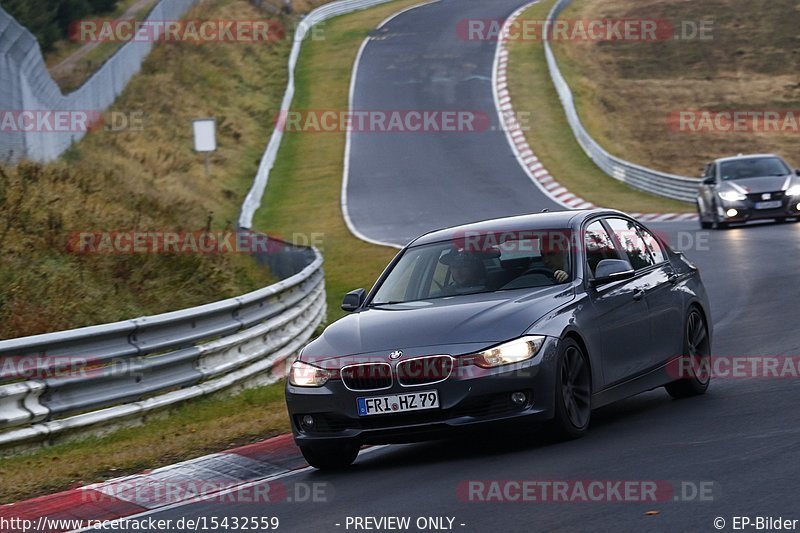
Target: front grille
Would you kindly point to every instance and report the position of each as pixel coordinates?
(367, 376)
(424, 370)
(756, 196)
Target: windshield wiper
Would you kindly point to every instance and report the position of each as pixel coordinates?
(391, 302)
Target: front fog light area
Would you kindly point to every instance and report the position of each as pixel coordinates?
(519, 398)
(732, 212)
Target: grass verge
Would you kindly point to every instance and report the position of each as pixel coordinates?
(551, 137)
(303, 195)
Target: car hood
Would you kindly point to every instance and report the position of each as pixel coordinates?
(758, 185)
(478, 318)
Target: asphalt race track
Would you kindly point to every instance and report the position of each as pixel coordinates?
(744, 435)
(404, 184)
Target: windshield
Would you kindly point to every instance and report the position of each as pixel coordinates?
(753, 168)
(488, 264)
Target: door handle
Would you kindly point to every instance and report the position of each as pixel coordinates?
(673, 278)
(638, 294)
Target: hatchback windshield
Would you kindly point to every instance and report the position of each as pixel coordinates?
(753, 168)
(487, 264)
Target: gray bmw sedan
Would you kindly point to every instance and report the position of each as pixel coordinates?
(535, 318)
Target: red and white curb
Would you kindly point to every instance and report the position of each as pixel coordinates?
(523, 151)
(225, 477)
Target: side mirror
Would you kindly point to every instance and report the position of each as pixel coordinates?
(609, 270)
(709, 181)
(353, 300)
(797, 171)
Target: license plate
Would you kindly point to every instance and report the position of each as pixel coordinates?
(398, 403)
(769, 205)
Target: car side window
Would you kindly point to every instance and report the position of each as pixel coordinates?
(599, 245)
(631, 242)
(653, 246)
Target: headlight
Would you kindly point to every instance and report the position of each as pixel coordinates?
(510, 352)
(305, 375)
(794, 190)
(732, 196)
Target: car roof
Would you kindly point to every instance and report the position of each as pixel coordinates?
(537, 221)
(744, 156)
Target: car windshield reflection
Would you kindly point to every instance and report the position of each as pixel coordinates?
(463, 267)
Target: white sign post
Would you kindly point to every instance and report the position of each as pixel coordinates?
(205, 136)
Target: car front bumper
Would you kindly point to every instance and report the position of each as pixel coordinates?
(471, 397)
(746, 210)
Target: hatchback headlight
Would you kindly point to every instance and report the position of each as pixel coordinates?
(732, 196)
(794, 190)
(305, 375)
(510, 352)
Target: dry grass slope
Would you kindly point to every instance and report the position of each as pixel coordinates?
(625, 90)
(143, 180)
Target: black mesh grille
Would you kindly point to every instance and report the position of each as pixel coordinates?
(366, 377)
(423, 370)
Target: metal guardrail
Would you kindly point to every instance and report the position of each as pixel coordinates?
(98, 375)
(321, 14)
(79, 378)
(642, 178)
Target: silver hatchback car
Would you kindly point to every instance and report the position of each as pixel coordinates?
(748, 187)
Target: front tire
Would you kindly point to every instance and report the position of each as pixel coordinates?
(703, 223)
(717, 224)
(573, 394)
(329, 456)
(695, 359)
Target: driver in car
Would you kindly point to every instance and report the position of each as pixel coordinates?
(467, 270)
(556, 260)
